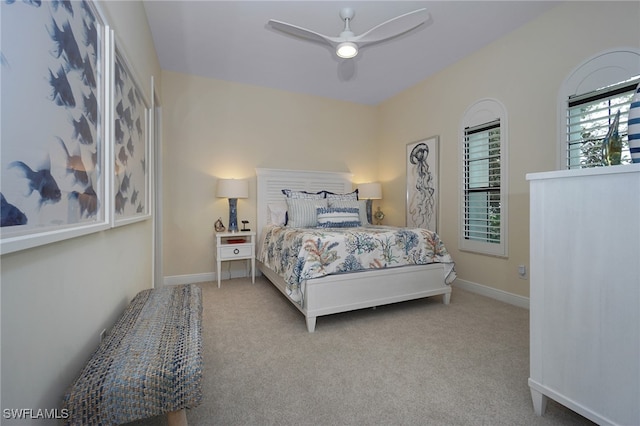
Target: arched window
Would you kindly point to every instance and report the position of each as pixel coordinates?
(483, 203)
(588, 101)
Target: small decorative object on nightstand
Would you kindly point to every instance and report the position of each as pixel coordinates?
(219, 227)
(244, 226)
(379, 215)
(233, 246)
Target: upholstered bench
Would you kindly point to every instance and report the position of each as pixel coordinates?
(149, 364)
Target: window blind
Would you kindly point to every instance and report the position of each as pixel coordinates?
(589, 116)
(482, 182)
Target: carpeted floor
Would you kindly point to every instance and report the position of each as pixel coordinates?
(412, 363)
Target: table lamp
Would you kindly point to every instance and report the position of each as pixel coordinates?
(370, 191)
(233, 189)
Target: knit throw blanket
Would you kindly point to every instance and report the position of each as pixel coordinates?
(149, 364)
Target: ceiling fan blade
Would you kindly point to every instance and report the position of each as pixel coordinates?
(393, 27)
(302, 32)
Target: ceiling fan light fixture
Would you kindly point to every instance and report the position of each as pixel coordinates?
(346, 44)
(347, 49)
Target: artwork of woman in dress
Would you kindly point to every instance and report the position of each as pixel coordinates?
(422, 186)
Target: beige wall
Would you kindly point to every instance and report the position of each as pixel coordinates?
(214, 129)
(57, 298)
(524, 71)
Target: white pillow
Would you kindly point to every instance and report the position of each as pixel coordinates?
(361, 205)
(277, 213)
(302, 212)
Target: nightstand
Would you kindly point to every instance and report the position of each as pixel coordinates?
(235, 246)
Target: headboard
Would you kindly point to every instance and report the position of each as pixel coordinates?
(271, 182)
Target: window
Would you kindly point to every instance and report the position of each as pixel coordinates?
(483, 192)
(589, 116)
(588, 102)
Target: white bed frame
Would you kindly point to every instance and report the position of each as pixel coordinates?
(350, 291)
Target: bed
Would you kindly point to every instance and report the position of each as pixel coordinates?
(345, 291)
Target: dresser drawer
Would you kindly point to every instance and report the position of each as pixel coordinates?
(236, 251)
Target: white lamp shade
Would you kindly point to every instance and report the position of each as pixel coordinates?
(370, 191)
(233, 188)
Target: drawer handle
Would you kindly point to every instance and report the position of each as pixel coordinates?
(236, 251)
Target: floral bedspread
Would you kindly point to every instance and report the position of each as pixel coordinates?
(298, 254)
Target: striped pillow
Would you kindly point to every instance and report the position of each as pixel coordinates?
(338, 217)
(302, 213)
(361, 205)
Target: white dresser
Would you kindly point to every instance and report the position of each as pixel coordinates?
(585, 292)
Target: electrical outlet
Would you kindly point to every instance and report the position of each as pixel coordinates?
(522, 271)
(103, 334)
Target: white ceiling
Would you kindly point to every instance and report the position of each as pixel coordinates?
(230, 40)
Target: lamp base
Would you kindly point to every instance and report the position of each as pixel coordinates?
(233, 215)
(369, 207)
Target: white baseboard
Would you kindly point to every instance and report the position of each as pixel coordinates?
(494, 293)
(189, 279)
(201, 278)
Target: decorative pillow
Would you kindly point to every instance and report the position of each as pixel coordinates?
(349, 196)
(303, 194)
(277, 213)
(361, 205)
(338, 217)
(302, 212)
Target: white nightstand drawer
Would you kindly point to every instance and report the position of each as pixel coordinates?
(236, 250)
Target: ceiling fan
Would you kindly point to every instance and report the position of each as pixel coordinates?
(347, 43)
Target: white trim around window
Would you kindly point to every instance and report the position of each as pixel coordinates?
(481, 116)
